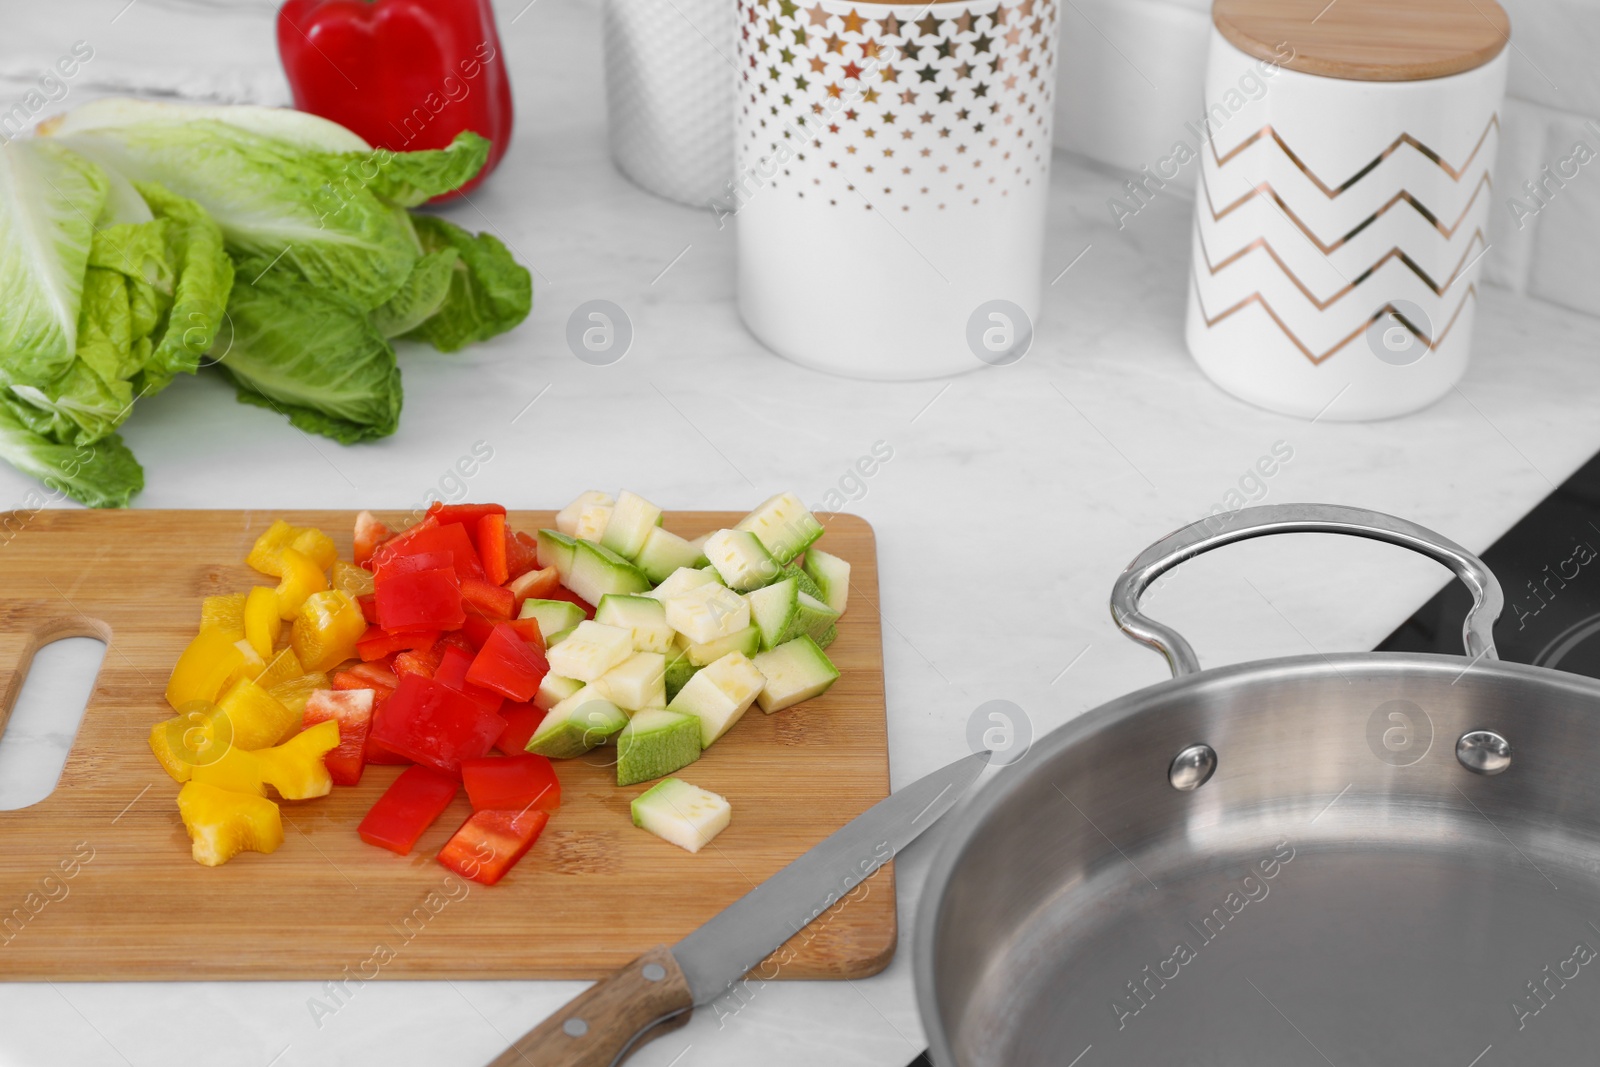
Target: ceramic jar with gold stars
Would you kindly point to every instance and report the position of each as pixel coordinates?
(893, 163)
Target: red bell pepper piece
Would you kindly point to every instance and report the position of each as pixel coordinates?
(468, 514)
(417, 661)
(454, 663)
(369, 608)
(352, 709)
(430, 723)
(403, 74)
(508, 665)
(378, 643)
(379, 756)
(521, 721)
(538, 584)
(370, 533)
(409, 562)
(420, 600)
(511, 783)
(492, 600)
(528, 630)
(374, 676)
(491, 541)
(460, 640)
(407, 808)
(491, 842)
(522, 554)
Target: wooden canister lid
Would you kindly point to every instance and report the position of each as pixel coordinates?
(1367, 40)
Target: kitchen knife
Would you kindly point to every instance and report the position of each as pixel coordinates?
(658, 991)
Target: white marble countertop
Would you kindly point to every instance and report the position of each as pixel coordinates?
(1013, 498)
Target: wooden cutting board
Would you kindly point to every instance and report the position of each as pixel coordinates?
(96, 882)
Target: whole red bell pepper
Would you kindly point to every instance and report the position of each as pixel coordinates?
(403, 74)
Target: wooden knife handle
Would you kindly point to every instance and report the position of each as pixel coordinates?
(604, 1023)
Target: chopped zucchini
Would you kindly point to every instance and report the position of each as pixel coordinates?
(644, 618)
(794, 671)
(682, 580)
(741, 560)
(681, 814)
(630, 522)
(553, 616)
(707, 612)
(567, 517)
(656, 743)
(554, 689)
(596, 571)
(719, 695)
(665, 552)
(746, 642)
(784, 525)
(556, 550)
(579, 723)
(832, 576)
(592, 649)
(637, 683)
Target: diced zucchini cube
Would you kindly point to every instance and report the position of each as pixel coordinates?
(597, 571)
(592, 649)
(719, 695)
(567, 517)
(741, 560)
(794, 671)
(784, 525)
(707, 612)
(630, 522)
(644, 618)
(655, 743)
(636, 683)
(664, 552)
(682, 814)
(832, 576)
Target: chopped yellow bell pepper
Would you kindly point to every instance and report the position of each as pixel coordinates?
(348, 578)
(258, 719)
(326, 629)
(207, 665)
(251, 664)
(285, 666)
(295, 768)
(225, 613)
(301, 578)
(316, 546)
(199, 733)
(223, 824)
(294, 692)
(261, 622)
(266, 554)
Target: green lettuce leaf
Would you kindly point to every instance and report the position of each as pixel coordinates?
(411, 178)
(309, 354)
(272, 199)
(422, 294)
(49, 199)
(102, 475)
(490, 292)
(199, 292)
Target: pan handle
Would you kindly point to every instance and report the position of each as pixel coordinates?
(1477, 631)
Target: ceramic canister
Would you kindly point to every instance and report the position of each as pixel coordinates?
(893, 164)
(1343, 201)
(669, 95)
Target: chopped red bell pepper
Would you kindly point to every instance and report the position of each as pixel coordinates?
(406, 563)
(492, 600)
(375, 676)
(521, 721)
(378, 643)
(370, 533)
(407, 808)
(463, 513)
(417, 661)
(491, 842)
(429, 722)
(491, 541)
(538, 584)
(403, 74)
(476, 628)
(376, 753)
(352, 710)
(511, 783)
(421, 600)
(454, 663)
(508, 665)
(460, 640)
(427, 537)
(522, 554)
(528, 630)
(369, 608)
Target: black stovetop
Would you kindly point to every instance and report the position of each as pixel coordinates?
(1549, 566)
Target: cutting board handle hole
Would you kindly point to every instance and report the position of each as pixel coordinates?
(38, 734)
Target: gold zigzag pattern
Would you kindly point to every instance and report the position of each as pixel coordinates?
(1333, 191)
(1389, 309)
(1266, 189)
(1323, 305)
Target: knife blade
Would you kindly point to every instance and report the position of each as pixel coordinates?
(658, 991)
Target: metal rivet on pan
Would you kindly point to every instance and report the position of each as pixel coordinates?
(1483, 752)
(654, 972)
(575, 1027)
(1193, 767)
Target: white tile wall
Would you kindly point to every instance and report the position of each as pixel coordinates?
(1131, 76)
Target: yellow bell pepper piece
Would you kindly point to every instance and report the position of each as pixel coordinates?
(266, 554)
(348, 578)
(295, 768)
(204, 668)
(251, 664)
(200, 733)
(285, 667)
(326, 629)
(301, 578)
(294, 692)
(257, 718)
(223, 824)
(225, 613)
(316, 546)
(261, 622)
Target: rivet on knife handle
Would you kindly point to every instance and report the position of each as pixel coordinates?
(604, 1023)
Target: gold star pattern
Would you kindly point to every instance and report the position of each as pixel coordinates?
(870, 96)
(786, 8)
(818, 16)
(964, 22)
(819, 65)
(999, 16)
(927, 118)
(889, 74)
(928, 26)
(908, 97)
(835, 44)
(853, 22)
(890, 26)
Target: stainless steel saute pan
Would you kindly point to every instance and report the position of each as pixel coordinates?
(1374, 858)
